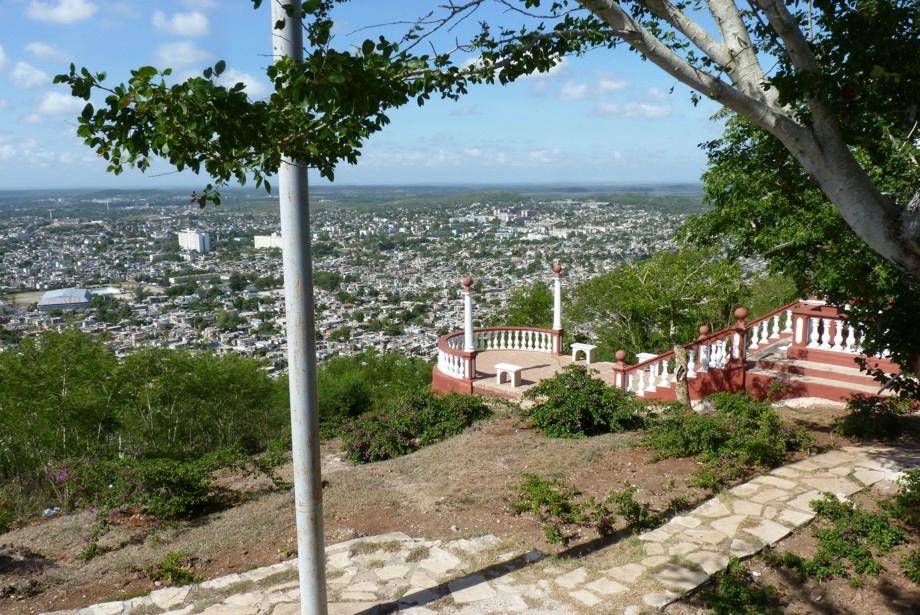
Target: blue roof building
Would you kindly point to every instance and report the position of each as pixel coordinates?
(65, 299)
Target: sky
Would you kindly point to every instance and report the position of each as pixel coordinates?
(607, 117)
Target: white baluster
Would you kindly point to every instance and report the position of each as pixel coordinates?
(838, 335)
(640, 382)
(652, 379)
(826, 335)
(851, 339)
(765, 331)
(788, 328)
(664, 381)
(755, 338)
(815, 338)
(705, 350)
(691, 360)
(775, 332)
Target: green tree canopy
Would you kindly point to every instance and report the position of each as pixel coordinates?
(650, 305)
(767, 206)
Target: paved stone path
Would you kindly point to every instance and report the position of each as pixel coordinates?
(640, 574)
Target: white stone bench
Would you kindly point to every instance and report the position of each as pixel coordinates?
(509, 372)
(587, 349)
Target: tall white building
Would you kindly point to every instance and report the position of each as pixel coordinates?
(267, 241)
(194, 241)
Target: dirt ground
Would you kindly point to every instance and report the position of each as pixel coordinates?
(452, 489)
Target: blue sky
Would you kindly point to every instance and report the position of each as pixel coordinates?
(607, 117)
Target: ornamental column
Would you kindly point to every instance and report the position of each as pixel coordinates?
(557, 296)
(468, 345)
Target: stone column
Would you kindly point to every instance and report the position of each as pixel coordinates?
(468, 345)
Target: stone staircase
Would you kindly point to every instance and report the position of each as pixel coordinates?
(771, 372)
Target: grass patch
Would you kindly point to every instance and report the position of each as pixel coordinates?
(736, 592)
(417, 554)
(175, 569)
(850, 540)
(562, 512)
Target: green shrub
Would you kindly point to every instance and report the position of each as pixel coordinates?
(735, 592)
(572, 404)
(739, 434)
(871, 418)
(175, 569)
(416, 421)
(553, 503)
(163, 488)
(6, 521)
(910, 565)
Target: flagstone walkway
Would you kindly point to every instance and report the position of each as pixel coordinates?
(397, 573)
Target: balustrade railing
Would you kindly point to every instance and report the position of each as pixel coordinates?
(457, 363)
(770, 327)
(821, 327)
(709, 352)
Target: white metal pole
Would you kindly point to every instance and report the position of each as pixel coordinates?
(298, 300)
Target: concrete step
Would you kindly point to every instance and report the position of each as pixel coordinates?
(759, 381)
(775, 359)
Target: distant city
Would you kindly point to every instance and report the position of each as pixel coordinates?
(148, 268)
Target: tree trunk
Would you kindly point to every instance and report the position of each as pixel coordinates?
(681, 388)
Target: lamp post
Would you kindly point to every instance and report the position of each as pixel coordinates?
(294, 203)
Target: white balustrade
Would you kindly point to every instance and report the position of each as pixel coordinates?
(452, 365)
(765, 330)
(775, 333)
(652, 370)
(691, 361)
(789, 317)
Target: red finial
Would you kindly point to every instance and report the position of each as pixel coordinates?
(741, 313)
(620, 355)
(704, 330)
(468, 283)
(557, 269)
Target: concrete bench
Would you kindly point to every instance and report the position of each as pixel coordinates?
(586, 349)
(509, 372)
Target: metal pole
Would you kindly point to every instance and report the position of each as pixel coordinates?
(298, 300)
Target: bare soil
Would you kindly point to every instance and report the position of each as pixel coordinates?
(452, 489)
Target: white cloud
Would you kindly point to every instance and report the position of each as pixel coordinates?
(55, 103)
(194, 23)
(464, 111)
(473, 152)
(7, 152)
(32, 119)
(609, 83)
(44, 51)
(635, 110)
(173, 54)
(255, 87)
(544, 156)
(61, 11)
(3, 103)
(656, 93)
(24, 75)
(574, 91)
(2, 57)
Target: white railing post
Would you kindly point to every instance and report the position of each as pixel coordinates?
(468, 345)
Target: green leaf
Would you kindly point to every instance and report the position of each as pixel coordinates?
(219, 67)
